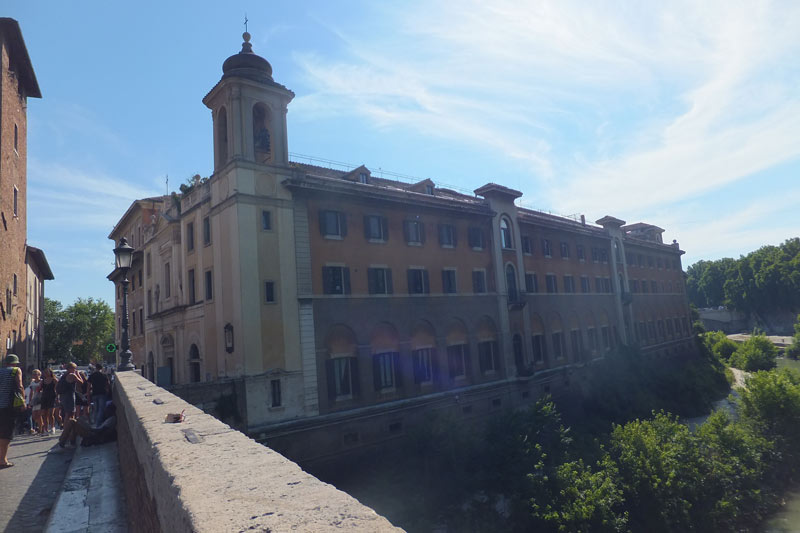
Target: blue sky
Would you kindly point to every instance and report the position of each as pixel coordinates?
(681, 114)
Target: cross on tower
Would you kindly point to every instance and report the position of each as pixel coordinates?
(245, 22)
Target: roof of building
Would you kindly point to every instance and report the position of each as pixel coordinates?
(19, 53)
(136, 203)
(38, 257)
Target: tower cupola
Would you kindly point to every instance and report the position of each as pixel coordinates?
(247, 64)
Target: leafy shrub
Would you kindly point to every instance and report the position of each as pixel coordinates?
(756, 353)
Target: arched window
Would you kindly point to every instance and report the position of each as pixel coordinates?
(261, 137)
(222, 137)
(194, 364)
(505, 234)
(511, 282)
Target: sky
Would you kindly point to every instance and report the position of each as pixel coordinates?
(685, 115)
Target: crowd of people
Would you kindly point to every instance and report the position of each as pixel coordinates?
(77, 404)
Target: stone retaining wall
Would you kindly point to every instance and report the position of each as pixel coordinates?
(201, 475)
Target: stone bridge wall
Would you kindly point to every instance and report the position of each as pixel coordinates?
(202, 475)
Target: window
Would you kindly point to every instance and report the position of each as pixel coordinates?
(644, 286)
(383, 368)
(478, 281)
(650, 262)
(266, 220)
(475, 237)
(653, 286)
(640, 260)
(659, 263)
(595, 254)
(505, 234)
(606, 338)
(379, 280)
(580, 252)
(676, 264)
(592, 334)
(149, 302)
(16, 137)
(635, 285)
(449, 281)
(585, 286)
(539, 348)
(569, 284)
(667, 263)
(134, 322)
(190, 236)
(552, 283)
(140, 278)
(422, 365)
(141, 320)
(447, 235)
(531, 282)
(341, 370)
(333, 224)
(15, 285)
(275, 389)
(607, 285)
(629, 259)
(414, 232)
(16, 196)
(269, 292)
(209, 285)
(429, 190)
(564, 250)
(547, 250)
(206, 231)
(487, 356)
(376, 228)
(603, 255)
(559, 348)
(335, 280)
(418, 282)
(190, 282)
(661, 330)
(511, 283)
(362, 178)
(147, 265)
(166, 281)
(526, 245)
(457, 361)
(577, 343)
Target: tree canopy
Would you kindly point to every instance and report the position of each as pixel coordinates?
(764, 280)
(78, 333)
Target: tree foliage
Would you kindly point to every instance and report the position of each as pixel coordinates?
(756, 353)
(78, 333)
(764, 280)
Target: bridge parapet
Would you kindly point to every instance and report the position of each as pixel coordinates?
(202, 475)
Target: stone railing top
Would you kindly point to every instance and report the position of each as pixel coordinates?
(206, 476)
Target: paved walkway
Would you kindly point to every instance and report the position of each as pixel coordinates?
(29, 489)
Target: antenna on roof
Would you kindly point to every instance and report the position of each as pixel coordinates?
(167, 177)
(245, 21)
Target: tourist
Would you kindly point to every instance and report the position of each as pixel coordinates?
(81, 427)
(33, 397)
(66, 391)
(82, 395)
(11, 392)
(48, 390)
(98, 392)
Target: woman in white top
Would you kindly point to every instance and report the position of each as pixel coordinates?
(33, 397)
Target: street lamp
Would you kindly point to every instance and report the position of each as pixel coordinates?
(123, 255)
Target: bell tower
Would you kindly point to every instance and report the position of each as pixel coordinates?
(249, 111)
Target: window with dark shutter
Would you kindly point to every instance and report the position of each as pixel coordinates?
(475, 236)
(526, 245)
(478, 281)
(447, 235)
(332, 224)
(448, 281)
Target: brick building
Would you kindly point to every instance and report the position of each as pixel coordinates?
(23, 269)
(341, 305)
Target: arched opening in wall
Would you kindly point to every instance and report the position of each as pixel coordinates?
(194, 364)
(222, 137)
(385, 347)
(165, 375)
(423, 353)
(458, 362)
(538, 340)
(151, 368)
(341, 366)
(506, 237)
(261, 137)
(511, 282)
(488, 352)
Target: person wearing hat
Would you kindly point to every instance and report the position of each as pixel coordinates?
(10, 387)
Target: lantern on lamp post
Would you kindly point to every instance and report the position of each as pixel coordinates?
(123, 256)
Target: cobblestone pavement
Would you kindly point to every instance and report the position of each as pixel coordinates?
(29, 489)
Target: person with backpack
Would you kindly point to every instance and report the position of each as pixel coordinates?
(12, 401)
(66, 390)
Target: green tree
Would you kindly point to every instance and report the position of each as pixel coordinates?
(57, 335)
(756, 353)
(793, 350)
(91, 323)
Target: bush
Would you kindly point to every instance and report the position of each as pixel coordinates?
(756, 353)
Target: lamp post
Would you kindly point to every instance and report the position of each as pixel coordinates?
(123, 256)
